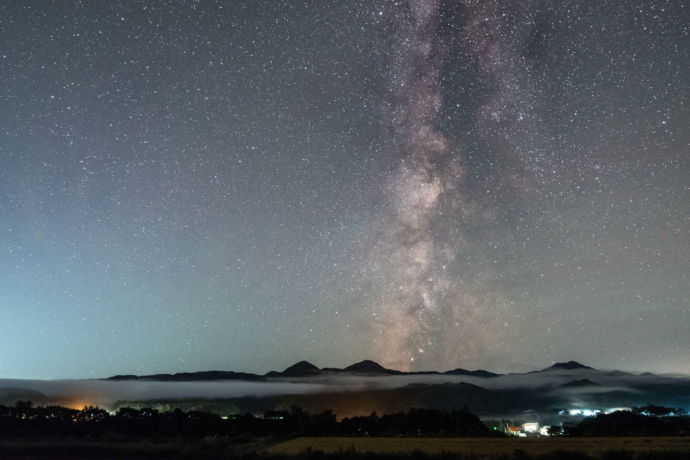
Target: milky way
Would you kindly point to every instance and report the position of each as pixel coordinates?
(413, 258)
(436, 308)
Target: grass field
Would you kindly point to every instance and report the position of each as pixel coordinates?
(482, 447)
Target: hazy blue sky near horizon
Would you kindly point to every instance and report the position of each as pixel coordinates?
(194, 185)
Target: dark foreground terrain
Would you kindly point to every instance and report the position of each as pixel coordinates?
(56, 432)
(353, 448)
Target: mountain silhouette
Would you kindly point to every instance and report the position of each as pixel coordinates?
(192, 376)
(300, 369)
(477, 373)
(366, 367)
(10, 395)
(580, 383)
(570, 365)
(371, 367)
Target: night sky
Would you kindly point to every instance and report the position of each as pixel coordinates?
(194, 185)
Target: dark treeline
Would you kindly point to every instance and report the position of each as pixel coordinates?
(630, 424)
(26, 420)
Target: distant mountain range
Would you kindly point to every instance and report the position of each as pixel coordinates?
(564, 385)
(10, 395)
(302, 369)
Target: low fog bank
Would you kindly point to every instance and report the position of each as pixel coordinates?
(571, 384)
(602, 380)
(105, 393)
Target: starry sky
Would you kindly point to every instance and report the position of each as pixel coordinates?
(432, 184)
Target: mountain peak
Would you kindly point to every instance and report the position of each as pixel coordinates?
(300, 369)
(369, 367)
(570, 365)
(478, 373)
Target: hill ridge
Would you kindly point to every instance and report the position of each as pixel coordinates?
(307, 369)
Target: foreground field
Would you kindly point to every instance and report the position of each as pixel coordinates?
(482, 446)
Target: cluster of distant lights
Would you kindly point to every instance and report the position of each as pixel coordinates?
(583, 412)
(595, 412)
(592, 412)
(534, 428)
